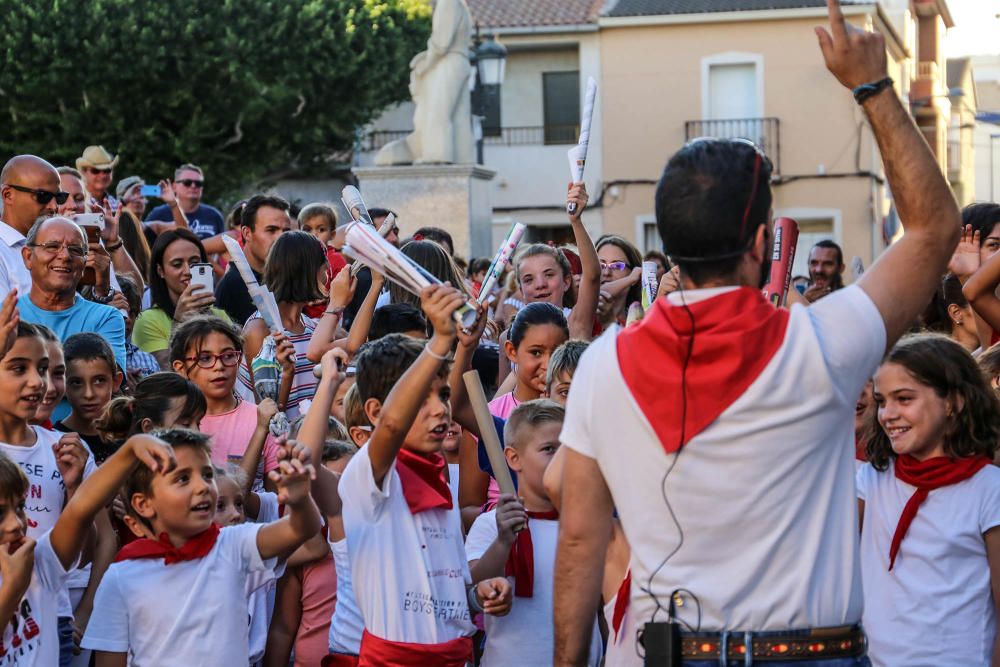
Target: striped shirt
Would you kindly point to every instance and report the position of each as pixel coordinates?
(304, 384)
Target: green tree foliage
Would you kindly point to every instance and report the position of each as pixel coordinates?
(244, 88)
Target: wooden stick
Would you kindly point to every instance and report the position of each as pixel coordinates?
(488, 432)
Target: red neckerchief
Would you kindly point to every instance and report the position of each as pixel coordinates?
(860, 447)
(621, 602)
(928, 475)
(422, 477)
(197, 547)
(736, 335)
(377, 652)
(521, 559)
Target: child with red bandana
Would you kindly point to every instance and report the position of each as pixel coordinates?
(404, 535)
(930, 508)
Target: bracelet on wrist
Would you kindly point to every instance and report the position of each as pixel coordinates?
(867, 90)
(431, 353)
(336, 310)
(474, 606)
(114, 246)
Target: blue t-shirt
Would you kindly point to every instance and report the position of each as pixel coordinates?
(484, 458)
(205, 222)
(82, 316)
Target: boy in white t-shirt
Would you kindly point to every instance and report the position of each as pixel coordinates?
(181, 599)
(404, 535)
(29, 596)
(519, 540)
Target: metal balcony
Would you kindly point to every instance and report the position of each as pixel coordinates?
(764, 132)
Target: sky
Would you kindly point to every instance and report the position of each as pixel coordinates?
(977, 28)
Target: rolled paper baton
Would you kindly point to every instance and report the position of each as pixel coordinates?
(786, 238)
(501, 260)
(488, 432)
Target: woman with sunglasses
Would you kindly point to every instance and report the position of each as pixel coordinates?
(621, 282)
(173, 296)
(207, 351)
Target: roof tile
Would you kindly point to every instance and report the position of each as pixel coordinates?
(533, 13)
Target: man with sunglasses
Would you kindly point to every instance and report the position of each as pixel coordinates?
(29, 189)
(56, 253)
(97, 166)
(189, 185)
(730, 455)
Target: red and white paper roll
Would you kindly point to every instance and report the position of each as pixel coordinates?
(786, 237)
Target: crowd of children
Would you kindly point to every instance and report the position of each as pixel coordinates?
(326, 493)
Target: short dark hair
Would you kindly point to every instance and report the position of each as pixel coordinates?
(88, 346)
(334, 450)
(396, 318)
(540, 312)
(293, 264)
(13, 481)
(247, 214)
(983, 217)
(158, 293)
(194, 330)
(711, 198)
(831, 245)
(531, 413)
(437, 235)
(940, 363)
(378, 212)
(479, 264)
(382, 362)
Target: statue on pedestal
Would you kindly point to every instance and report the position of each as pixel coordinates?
(439, 86)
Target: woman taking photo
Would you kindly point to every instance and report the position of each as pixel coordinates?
(621, 284)
(172, 295)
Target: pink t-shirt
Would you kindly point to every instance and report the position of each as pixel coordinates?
(501, 407)
(231, 433)
(319, 597)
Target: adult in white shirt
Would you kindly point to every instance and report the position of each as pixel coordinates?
(29, 189)
(730, 456)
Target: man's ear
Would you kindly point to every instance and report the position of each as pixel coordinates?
(513, 458)
(373, 408)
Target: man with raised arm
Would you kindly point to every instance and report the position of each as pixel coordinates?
(730, 460)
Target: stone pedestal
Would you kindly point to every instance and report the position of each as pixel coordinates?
(454, 197)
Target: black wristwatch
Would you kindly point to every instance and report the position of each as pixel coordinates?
(866, 90)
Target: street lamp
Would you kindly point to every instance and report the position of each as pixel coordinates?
(490, 58)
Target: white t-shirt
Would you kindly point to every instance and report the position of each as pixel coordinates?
(621, 647)
(409, 570)
(453, 474)
(47, 496)
(346, 625)
(525, 635)
(185, 614)
(261, 585)
(765, 494)
(36, 623)
(935, 607)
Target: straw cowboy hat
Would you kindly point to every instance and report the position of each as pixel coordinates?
(96, 157)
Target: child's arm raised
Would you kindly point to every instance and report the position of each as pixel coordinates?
(510, 514)
(362, 322)
(403, 402)
(980, 290)
(581, 319)
(97, 491)
(461, 410)
(292, 478)
(250, 462)
(341, 292)
(312, 435)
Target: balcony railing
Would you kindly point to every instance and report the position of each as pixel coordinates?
(506, 136)
(764, 132)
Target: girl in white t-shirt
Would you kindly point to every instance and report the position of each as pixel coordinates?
(930, 505)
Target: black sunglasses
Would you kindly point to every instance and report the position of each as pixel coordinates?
(191, 183)
(43, 197)
(95, 170)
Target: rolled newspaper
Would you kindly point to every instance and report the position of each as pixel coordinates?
(488, 432)
(786, 237)
(387, 225)
(366, 245)
(649, 284)
(262, 298)
(355, 205)
(501, 260)
(267, 382)
(578, 154)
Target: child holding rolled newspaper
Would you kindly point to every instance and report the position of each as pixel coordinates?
(494, 549)
(398, 510)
